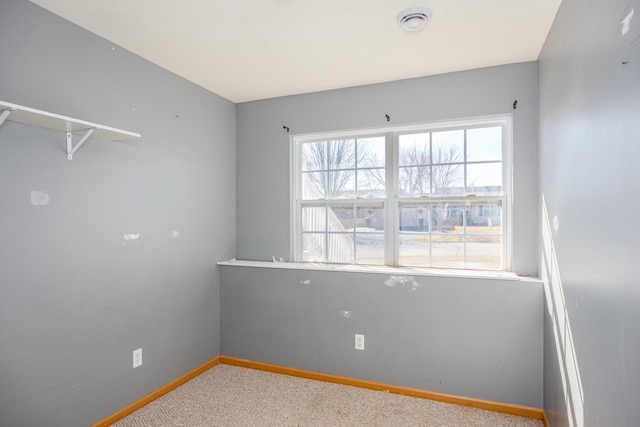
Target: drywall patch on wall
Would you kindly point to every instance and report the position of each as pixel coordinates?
(305, 282)
(346, 313)
(131, 236)
(626, 22)
(40, 198)
(175, 234)
(406, 282)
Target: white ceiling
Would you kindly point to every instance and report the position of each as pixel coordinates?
(255, 49)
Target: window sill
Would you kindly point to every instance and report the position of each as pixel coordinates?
(407, 271)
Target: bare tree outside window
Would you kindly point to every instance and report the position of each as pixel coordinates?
(446, 176)
(334, 163)
(423, 178)
(416, 179)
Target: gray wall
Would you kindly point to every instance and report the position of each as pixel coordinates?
(480, 338)
(590, 197)
(440, 338)
(263, 204)
(76, 298)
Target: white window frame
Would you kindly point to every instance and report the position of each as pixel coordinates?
(393, 201)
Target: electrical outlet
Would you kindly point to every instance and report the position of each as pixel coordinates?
(137, 357)
(359, 342)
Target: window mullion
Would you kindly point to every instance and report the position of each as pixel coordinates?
(430, 163)
(430, 194)
(355, 233)
(296, 185)
(464, 234)
(507, 198)
(430, 228)
(326, 231)
(391, 237)
(464, 206)
(464, 159)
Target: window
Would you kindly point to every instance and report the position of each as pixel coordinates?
(434, 195)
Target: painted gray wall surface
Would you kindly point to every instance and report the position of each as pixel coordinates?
(76, 298)
(477, 338)
(263, 204)
(590, 198)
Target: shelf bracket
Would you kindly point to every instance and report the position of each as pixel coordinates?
(5, 114)
(56, 122)
(70, 148)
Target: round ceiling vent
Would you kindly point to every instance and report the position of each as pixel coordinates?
(414, 18)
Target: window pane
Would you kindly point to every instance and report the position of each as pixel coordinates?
(342, 184)
(414, 149)
(448, 147)
(314, 185)
(447, 251)
(370, 218)
(484, 178)
(448, 180)
(314, 156)
(484, 217)
(414, 181)
(484, 144)
(414, 250)
(447, 218)
(484, 252)
(342, 154)
(313, 247)
(340, 248)
(314, 218)
(371, 183)
(371, 152)
(414, 218)
(370, 248)
(340, 218)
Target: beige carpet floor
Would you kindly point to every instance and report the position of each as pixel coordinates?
(231, 396)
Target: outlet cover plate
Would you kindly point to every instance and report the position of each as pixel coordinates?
(359, 342)
(137, 357)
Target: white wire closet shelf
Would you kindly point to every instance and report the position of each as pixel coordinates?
(44, 119)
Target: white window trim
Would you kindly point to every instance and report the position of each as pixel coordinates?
(393, 200)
